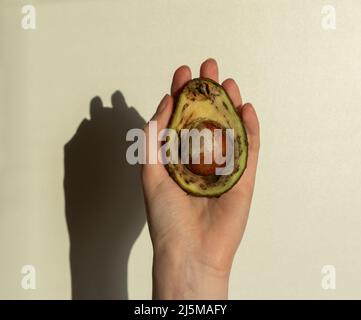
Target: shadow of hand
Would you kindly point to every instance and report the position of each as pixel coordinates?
(103, 201)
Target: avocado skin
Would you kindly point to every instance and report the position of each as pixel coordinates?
(171, 171)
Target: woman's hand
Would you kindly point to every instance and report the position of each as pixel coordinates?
(195, 239)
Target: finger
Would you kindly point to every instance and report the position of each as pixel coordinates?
(245, 185)
(153, 169)
(209, 69)
(181, 76)
(232, 89)
(251, 123)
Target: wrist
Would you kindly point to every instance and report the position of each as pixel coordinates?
(185, 276)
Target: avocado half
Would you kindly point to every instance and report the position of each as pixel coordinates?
(203, 103)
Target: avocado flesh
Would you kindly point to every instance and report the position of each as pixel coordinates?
(203, 100)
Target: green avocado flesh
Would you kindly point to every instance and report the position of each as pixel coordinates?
(205, 101)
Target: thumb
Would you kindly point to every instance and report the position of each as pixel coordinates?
(163, 113)
(150, 171)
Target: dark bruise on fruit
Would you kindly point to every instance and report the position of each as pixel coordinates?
(204, 103)
(225, 105)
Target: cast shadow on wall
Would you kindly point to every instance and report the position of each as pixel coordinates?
(103, 200)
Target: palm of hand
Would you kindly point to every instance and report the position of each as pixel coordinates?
(210, 228)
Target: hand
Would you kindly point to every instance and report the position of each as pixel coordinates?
(195, 239)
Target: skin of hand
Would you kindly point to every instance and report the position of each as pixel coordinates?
(194, 238)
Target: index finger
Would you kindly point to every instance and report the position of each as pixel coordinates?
(181, 76)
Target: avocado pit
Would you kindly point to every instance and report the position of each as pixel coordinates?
(197, 161)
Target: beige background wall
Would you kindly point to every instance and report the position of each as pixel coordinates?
(304, 81)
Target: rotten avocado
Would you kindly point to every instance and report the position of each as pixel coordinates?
(204, 103)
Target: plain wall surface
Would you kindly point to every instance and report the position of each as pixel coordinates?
(304, 81)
